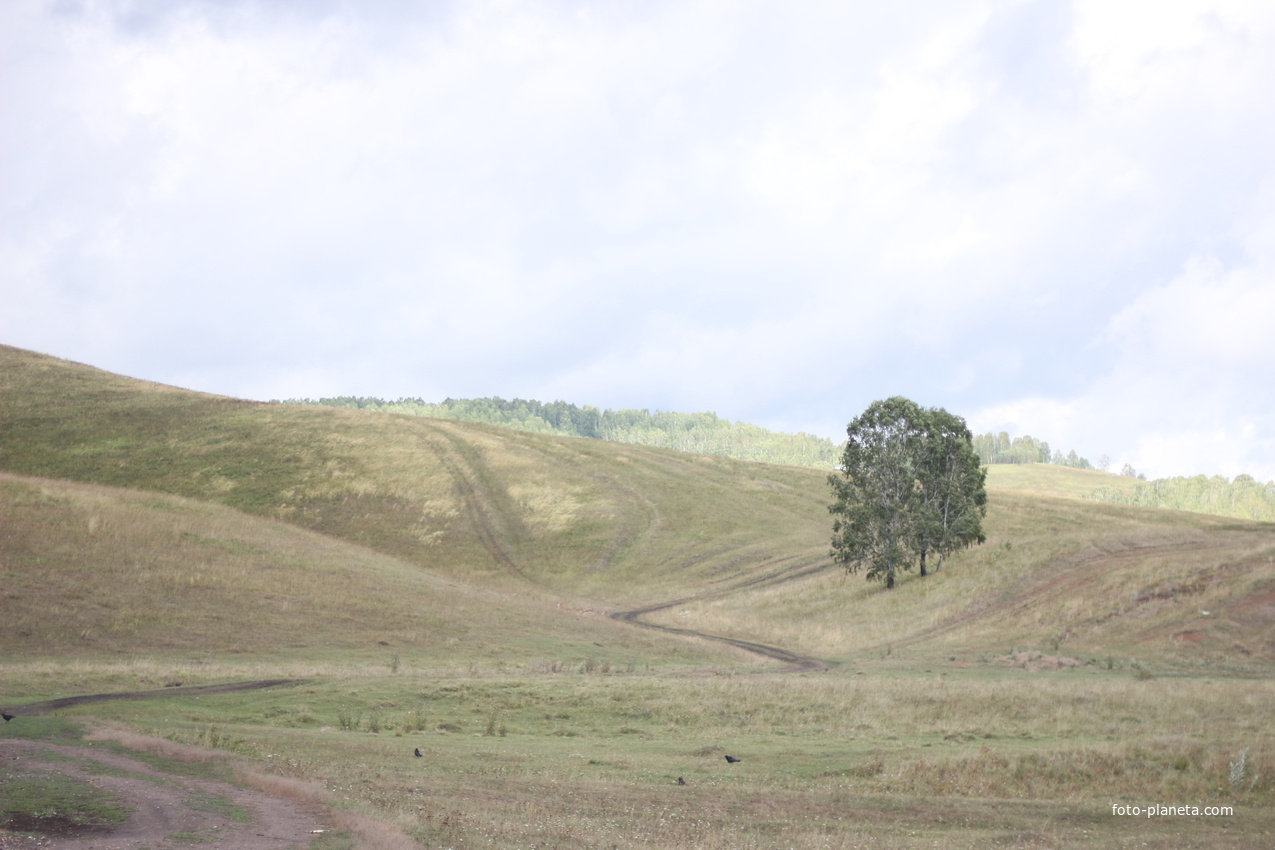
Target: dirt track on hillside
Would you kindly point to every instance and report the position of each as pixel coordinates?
(796, 663)
(480, 505)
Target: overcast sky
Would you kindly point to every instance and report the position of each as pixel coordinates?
(1051, 218)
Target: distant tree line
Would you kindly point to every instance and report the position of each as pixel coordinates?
(1243, 498)
(703, 433)
(999, 448)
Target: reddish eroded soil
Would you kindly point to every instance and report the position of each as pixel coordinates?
(168, 811)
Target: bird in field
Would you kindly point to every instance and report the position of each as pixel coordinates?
(731, 759)
(681, 781)
(417, 752)
(8, 717)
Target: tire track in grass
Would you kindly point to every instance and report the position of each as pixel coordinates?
(165, 807)
(1066, 579)
(477, 499)
(627, 536)
(796, 662)
(474, 496)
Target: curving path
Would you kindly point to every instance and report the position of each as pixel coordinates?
(796, 663)
(66, 702)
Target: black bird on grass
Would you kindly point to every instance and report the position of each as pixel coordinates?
(8, 717)
(681, 781)
(417, 752)
(731, 759)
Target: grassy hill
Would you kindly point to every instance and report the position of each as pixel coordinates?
(611, 526)
(1057, 575)
(447, 586)
(1041, 479)
(624, 523)
(106, 573)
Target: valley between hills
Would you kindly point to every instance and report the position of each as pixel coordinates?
(565, 628)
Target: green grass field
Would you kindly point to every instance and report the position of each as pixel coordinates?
(456, 588)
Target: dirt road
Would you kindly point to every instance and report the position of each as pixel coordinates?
(168, 810)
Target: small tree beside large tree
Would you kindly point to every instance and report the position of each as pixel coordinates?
(910, 486)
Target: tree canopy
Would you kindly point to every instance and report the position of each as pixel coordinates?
(910, 485)
(999, 448)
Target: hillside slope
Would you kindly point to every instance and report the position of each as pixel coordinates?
(1057, 575)
(620, 523)
(741, 548)
(92, 571)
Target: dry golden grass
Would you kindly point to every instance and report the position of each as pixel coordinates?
(163, 590)
(1055, 574)
(155, 746)
(954, 757)
(447, 585)
(484, 505)
(1044, 479)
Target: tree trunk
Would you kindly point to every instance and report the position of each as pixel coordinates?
(922, 562)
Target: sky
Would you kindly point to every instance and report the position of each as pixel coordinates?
(1050, 218)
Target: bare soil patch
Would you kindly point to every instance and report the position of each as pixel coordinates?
(168, 810)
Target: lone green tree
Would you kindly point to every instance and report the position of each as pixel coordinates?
(951, 484)
(910, 485)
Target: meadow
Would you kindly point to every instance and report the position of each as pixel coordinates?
(462, 589)
(896, 757)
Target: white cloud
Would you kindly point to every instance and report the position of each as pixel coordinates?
(1055, 215)
(1207, 318)
(1153, 51)
(1190, 386)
